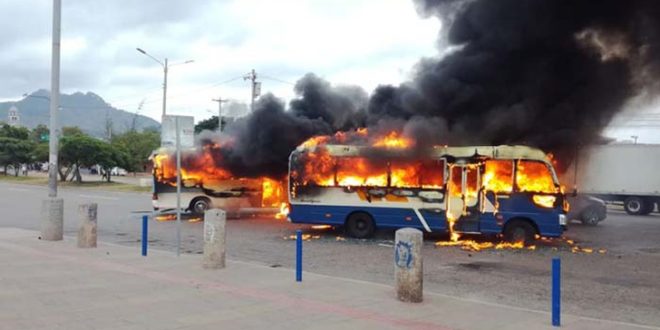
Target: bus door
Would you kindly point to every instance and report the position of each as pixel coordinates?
(463, 197)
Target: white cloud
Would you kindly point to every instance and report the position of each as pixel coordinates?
(361, 42)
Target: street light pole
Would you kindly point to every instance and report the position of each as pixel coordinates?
(164, 88)
(54, 100)
(166, 67)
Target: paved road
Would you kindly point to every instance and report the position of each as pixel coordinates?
(622, 284)
(111, 287)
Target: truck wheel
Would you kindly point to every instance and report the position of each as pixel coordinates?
(634, 205)
(360, 225)
(200, 205)
(519, 231)
(590, 217)
(649, 206)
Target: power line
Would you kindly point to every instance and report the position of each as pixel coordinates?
(277, 79)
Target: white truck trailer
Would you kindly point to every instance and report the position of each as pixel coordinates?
(619, 173)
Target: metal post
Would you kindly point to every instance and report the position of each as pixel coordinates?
(178, 186)
(145, 235)
(299, 255)
(54, 100)
(556, 292)
(165, 88)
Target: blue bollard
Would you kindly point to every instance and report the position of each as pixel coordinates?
(299, 255)
(556, 292)
(145, 225)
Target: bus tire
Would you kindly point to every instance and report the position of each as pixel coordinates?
(360, 225)
(635, 205)
(199, 205)
(519, 231)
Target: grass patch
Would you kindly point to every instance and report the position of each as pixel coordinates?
(23, 179)
(101, 185)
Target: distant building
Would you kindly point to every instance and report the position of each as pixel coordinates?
(13, 117)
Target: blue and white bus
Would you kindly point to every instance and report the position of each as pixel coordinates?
(509, 190)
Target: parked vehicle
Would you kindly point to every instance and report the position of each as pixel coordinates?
(587, 209)
(619, 173)
(118, 171)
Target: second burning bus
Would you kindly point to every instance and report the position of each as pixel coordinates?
(509, 190)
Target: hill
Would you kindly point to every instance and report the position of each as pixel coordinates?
(87, 111)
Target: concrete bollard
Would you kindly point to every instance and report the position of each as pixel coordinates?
(214, 238)
(408, 267)
(52, 219)
(87, 231)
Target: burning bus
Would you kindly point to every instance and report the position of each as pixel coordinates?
(205, 185)
(509, 190)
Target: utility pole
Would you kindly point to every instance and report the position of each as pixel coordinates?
(634, 137)
(54, 129)
(164, 88)
(256, 87)
(220, 101)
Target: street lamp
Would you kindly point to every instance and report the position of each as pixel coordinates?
(165, 66)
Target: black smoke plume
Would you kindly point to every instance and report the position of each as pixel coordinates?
(546, 73)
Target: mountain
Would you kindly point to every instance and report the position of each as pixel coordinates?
(88, 111)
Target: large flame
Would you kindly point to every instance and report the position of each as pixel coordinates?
(201, 168)
(317, 167)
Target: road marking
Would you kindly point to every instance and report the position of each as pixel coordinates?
(99, 197)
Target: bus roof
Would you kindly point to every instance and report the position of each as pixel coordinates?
(493, 152)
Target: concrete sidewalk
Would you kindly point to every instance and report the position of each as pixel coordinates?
(54, 285)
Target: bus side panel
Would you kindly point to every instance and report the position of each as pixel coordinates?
(520, 205)
(384, 217)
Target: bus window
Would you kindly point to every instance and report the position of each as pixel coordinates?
(404, 174)
(432, 174)
(360, 171)
(471, 185)
(314, 168)
(534, 176)
(498, 176)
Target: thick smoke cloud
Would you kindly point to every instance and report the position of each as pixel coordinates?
(263, 140)
(546, 73)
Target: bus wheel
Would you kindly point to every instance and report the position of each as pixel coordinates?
(199, 205)
(519, 231)
(634, 205)
(360, 225)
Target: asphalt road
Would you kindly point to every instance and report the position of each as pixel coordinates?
(621, 284)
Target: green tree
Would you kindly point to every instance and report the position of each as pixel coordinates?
(210, 124)
(137, 147)
(72, 130)
(20, 133)
(40, 134)
(79, 150)
(15, 147)
(110, 156)
(14, 152)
